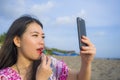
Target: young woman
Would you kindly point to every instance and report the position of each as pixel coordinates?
(22, 58)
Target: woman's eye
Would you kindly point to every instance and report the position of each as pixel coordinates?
(43, 37)
(35, 35)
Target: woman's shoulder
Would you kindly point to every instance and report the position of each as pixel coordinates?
(5, 71)
(9, 73)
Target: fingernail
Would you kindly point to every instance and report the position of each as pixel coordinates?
(83, 36)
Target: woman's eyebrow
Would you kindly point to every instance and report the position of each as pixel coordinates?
(37, 32)
(43, 34)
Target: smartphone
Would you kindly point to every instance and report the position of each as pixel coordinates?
(81, 30)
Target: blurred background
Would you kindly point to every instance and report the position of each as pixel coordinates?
(59, 20)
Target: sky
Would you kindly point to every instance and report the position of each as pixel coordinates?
(102, 18)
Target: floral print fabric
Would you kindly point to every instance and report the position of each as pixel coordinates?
(59, 68)
(9, 74)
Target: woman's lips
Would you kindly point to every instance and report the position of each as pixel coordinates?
(40, 51)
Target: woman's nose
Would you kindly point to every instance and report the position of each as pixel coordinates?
(41, 41)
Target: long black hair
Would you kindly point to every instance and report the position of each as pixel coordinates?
(8, 51)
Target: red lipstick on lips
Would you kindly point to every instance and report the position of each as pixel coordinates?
(40, 51)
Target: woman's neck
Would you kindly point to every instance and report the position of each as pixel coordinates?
(23, 63)
(23, 67)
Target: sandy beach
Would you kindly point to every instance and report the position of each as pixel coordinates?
(102, 69)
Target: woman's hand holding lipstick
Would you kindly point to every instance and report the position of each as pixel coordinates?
(44, 70)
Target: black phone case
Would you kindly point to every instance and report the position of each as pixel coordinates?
(81, 30)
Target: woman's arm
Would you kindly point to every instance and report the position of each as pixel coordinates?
(87, 54)
(85, 72)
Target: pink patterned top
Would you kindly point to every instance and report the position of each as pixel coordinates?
(59, 68)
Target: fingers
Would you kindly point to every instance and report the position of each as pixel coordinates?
(43, 59)
(46, 60)
(86, 41)
(88, 52)
(44, 70)
(90, 49)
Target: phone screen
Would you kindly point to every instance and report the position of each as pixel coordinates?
(81, 30)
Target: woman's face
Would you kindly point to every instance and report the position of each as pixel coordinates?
(32, 42)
